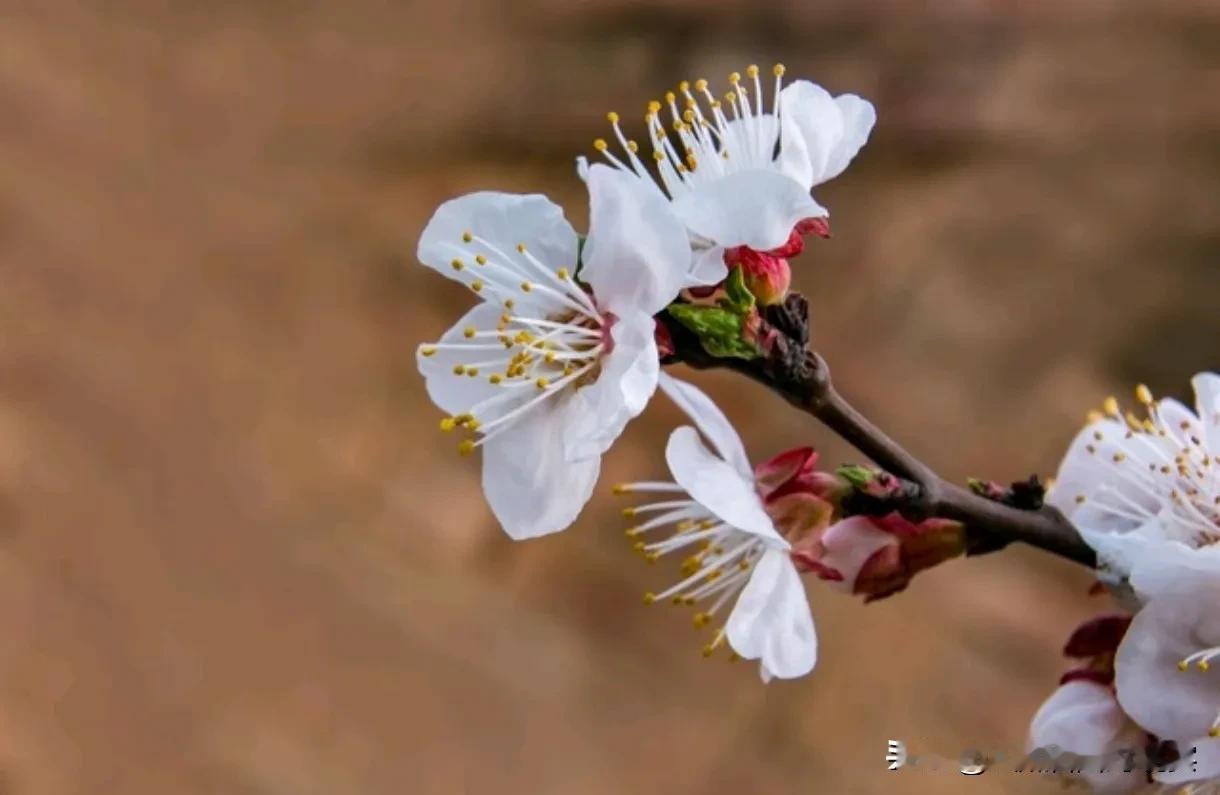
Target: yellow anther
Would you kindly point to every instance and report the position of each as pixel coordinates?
(472, 371)
(729, 97)
(520, 248)
(639, 546)
(1183, 665)
(629, 513)
(692, 162)
(1203, 665)
(600, 144)
(652, 557)
(1143, 394)
(479, 258)
(684, 86)
(526, 287)
(654, 107)
(542, 383)
(472, 424)
(612, 117)
(688, 116)
(1080, 498)
(469, 332)
(670, 97)
(459, 369)
(689, 601)
(466, 447)
(456, 265)
(427, 351)
(649, 598)
(1110, 406)
(448, 424)
(550, 357)
(631, 532)
(563, 274)
(752, 71)
(467, 237)
(658, 155)
(700, 620)
(778, 70)
(708, 650)
(633, 147)
(734, 78)
(509, 304)
(621, 488)
(477, 285)
(494, 378)
(1120, 457)
(1214, 731)
(744, 565)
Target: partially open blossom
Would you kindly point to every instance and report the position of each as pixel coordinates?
(1156, 476)
(736, 560)
(739, 169)
(545, 371)
(766, 276)
(876, 556)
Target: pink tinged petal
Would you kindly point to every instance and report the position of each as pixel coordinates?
(771, 621)
(718, 486)
(755, 208)
(707, 267)
(820, 134)
(710, 421)
(850, 544)
(773, 475)
(503, 220)
(1170, 703)
(626, 383)
(1203, 764)
(638, 254)
(532, 489)
(1207, 402)
(456, 394)
(1100, 635)
(801, 518)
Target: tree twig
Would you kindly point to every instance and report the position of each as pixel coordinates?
(802, 378)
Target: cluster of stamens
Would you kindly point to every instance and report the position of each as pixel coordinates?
(719, 557)
(549, 335)
(710, 137)
(1156, 461)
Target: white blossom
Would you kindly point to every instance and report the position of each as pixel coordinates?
(546, 370)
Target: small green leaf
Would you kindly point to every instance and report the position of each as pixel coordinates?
(856, 475)
(720, 331)
(738, 298)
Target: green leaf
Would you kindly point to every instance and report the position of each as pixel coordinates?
(856, 475)
(738, 298)
(720, 331)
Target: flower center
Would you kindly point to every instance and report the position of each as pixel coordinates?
(1157, 462)
(550, 335)
(710, 137)
(718, 561)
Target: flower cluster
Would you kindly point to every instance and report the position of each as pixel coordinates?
(1145, 493)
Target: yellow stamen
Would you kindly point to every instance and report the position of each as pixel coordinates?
(457, 265)
(612, 117)
(1143, 394)
(778, 70)
(448, 424)
(427, 351)
(466, 447)
(1110, 406)
(600, 144)
(467, 237)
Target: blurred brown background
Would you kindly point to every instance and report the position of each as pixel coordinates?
(237, 557)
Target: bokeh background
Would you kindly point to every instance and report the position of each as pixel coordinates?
(236, 556)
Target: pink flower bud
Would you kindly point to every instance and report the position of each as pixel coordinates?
(814, 226)
(767, 277)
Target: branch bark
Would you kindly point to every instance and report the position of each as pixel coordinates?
(802, 378)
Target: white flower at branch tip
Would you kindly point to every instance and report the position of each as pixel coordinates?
(546, 370)
(1084, 718)
(714, 513)
(1129, 480)
(739, 170)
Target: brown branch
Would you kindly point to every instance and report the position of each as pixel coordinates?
(803, 379)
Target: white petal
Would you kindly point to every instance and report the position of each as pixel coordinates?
(456, 394)
(771, 621)
(1084, 718)
(718, 486)
(820, 135)
(1087, 469)
(638, 254)
(849, 544)
(1204, 763)
(710, 421)
(626, 383)
(504, 220)
(756, 208)
(1207, 401)
(707, 267)
(750, 142)
(529, 485)
(1172, 704)
(1162, 567)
